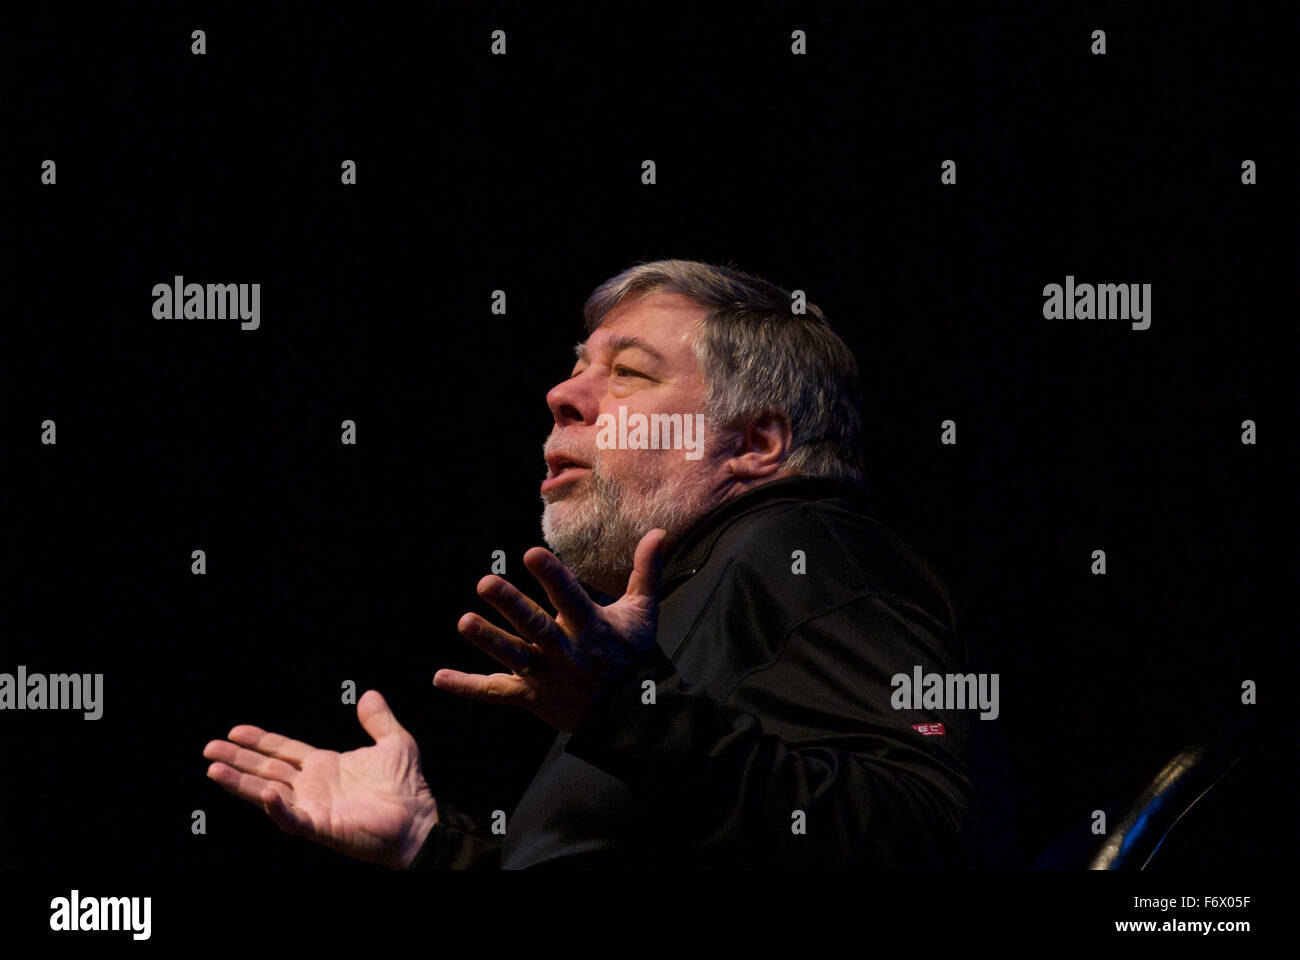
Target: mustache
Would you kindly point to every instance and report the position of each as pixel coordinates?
(561, 448)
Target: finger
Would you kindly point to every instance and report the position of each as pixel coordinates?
(530, 621)
(647, 564)
(566, 593)
(285, 815)
(505, 648)
(272, 744)
(246, 786)
(250, 761)
(377, 717)
(493, 688)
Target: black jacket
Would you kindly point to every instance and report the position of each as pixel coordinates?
(771, 740)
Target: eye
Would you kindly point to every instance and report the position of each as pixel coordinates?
(620, 370)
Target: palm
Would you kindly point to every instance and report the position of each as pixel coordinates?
(361, 802)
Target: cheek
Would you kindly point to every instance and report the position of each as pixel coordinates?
(641, 470)
(687, 470)
(671, 467)
(620, 464)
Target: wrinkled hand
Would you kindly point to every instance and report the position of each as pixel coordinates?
(560, 663)
(371, 803)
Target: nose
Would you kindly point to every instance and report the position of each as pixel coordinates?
(575, 401)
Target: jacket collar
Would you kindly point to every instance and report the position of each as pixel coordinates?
(692, 551)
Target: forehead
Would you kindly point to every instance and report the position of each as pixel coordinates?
(664, 321)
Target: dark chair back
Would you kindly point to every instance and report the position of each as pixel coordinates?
(1184, 780)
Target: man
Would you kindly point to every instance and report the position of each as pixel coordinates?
(733, 706)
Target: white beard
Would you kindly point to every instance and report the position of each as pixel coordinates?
(594, 524)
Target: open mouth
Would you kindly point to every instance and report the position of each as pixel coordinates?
(561, 468)
(558, 463)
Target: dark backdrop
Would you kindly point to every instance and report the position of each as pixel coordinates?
(522, 173)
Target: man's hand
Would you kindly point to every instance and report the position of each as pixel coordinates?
(560, 664)
(371, 803)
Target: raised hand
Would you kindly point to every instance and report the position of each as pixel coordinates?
(371, 803)
(560, 663)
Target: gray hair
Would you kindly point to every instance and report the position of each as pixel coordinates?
(757, 356)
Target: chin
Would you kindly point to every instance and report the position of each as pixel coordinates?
(559, 530)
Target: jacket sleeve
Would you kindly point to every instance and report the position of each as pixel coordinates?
(803, 763)
(458, 842)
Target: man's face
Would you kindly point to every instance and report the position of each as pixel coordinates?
(600, 502)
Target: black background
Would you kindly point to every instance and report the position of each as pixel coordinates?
(522, 173)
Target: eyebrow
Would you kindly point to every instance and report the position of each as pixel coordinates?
(620, 342)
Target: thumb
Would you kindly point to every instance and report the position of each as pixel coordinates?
(647, 564)
(376, 718)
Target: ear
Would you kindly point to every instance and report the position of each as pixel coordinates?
(760, 448)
